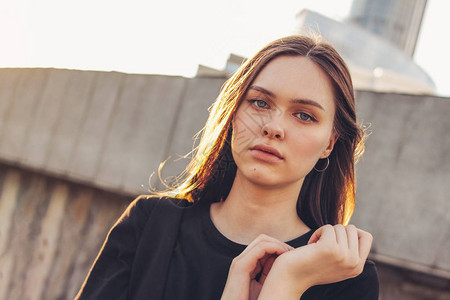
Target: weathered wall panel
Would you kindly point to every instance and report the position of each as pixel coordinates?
(72, 116)
(190, 119)
(95, 126)
(156, 118)
(403, 177)
(51, 231)
(9, 79)
(120, 138)
(16, 126)
(45, 120)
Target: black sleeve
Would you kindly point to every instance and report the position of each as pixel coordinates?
(363, 287)
(110, 273)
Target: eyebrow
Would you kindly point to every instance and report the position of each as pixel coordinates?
(300, 101)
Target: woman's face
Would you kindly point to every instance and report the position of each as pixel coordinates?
(284, 123)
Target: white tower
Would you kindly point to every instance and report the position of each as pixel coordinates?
(397, 21)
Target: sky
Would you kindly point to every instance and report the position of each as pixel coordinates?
(174, 37)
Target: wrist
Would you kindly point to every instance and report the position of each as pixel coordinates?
(283, 285)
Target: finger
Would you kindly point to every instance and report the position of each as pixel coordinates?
(249, 261)
(262, 262)
(265, 238)
(315, 236)
(325, 232)
(341, 236)
(352, 239)
(365, 242)
(267, 266)
(266, 247)
(259, 267)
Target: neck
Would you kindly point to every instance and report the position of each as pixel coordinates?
(251, 210)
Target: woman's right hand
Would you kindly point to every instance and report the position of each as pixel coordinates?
(249, 270)
(334, 253)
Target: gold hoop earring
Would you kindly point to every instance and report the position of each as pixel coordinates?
(326, 166)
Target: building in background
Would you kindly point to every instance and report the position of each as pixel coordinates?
(233, 63)
(375, 63)
(377, 42)
(396, 21)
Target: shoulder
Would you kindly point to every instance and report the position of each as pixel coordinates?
(146, 204)
(138, 213)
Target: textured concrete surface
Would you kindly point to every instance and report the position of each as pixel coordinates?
(191, 117)
(50, 233)
(71, 115)
(20, 106)
(404, 176)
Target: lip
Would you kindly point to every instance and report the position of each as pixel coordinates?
(267, 149)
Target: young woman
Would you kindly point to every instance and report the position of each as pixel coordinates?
(261, 212)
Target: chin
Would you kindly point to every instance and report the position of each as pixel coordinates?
(258, 175)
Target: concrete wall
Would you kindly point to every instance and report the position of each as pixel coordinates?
(50, 233)
(403, 183)
(107, 129)
(111, 130)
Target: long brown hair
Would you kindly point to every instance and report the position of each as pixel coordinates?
(326, 197)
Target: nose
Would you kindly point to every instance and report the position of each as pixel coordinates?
(273, 130)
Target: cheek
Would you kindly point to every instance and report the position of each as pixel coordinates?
(244, 132)
(312, 143)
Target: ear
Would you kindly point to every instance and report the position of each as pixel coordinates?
(333, 138)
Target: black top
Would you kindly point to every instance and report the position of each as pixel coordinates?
(158, 250)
